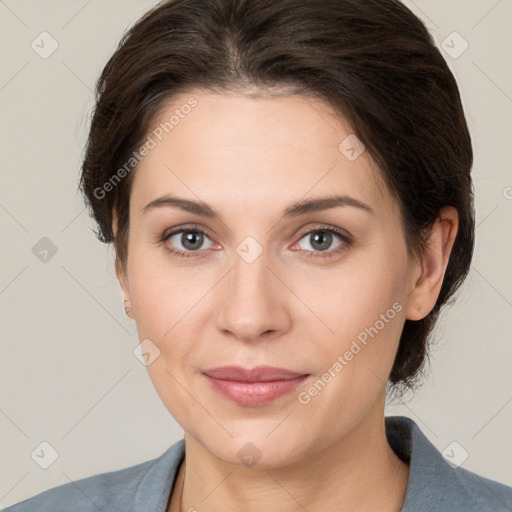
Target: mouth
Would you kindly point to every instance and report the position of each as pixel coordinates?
(253, 387)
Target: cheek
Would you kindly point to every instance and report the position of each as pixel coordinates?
(354, 296)
(364, 309)
(162, 293)
(366, 315)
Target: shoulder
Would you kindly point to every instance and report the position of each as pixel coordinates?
(148, 483)
(458, 489)
(484, 494)
(436, 484)
(91, 493)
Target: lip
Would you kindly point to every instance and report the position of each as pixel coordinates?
(257, 374)
(253, 387)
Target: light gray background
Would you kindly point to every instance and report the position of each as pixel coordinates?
(68, 375)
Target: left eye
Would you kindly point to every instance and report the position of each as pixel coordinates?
(321, 240)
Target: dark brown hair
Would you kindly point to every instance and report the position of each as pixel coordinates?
(373, 61)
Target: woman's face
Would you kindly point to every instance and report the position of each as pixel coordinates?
(255, 289)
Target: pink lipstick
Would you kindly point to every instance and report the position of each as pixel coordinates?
(253, 387)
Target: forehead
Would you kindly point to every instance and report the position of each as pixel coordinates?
(249, 149)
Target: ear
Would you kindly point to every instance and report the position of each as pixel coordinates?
(123, 282)
(121, 274)
(429, 273)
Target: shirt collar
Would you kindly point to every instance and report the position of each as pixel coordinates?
(431, 478)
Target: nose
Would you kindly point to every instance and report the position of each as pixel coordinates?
(253, 301)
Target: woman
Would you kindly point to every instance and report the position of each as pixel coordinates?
(287, 187)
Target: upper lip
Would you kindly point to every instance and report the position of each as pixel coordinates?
(258, 374)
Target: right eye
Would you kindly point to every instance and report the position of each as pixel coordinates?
(191, 240)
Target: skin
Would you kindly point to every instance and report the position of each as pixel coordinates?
(249, 158)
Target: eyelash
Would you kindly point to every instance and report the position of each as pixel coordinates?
(347, 241)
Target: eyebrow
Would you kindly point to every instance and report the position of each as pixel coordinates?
(295, 210)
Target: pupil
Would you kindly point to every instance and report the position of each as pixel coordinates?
(320, 235)
(189, 239)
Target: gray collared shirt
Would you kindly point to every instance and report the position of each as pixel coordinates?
(434, 485)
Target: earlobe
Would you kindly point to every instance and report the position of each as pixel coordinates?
(433, 264)
(123, 282)
(127, 308)
(121, 275)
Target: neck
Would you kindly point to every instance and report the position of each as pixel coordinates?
(357, 473)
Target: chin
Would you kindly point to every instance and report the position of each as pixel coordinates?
(257, 451)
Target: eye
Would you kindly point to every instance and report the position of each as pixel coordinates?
(320, 241)
(191, 240)
(187, 241)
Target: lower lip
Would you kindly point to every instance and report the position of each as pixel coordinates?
(254, 393)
